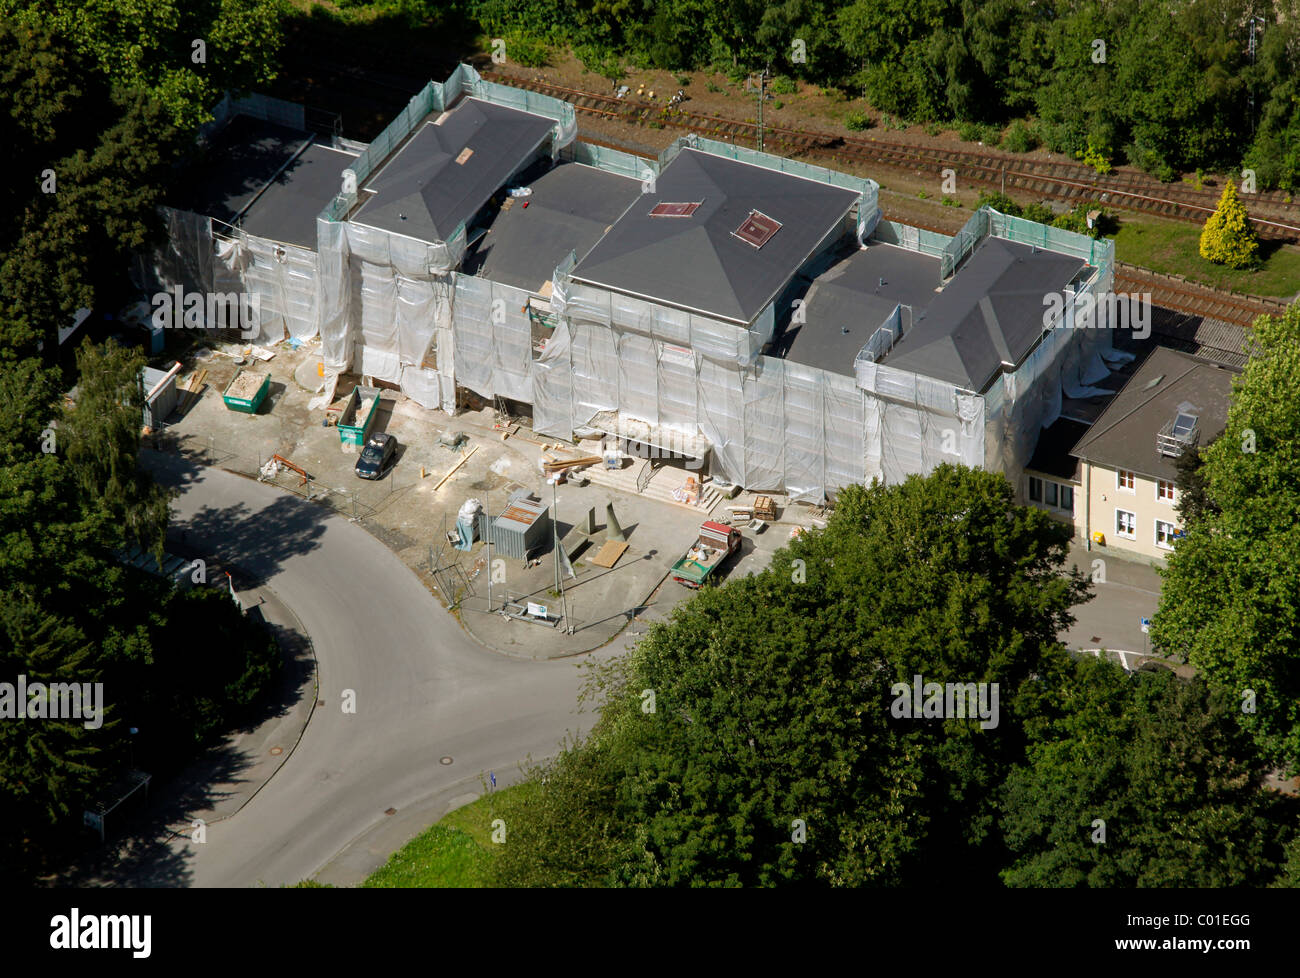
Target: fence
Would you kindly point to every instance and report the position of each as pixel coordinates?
(964, 242)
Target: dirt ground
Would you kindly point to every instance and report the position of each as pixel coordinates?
(810, 108)
(410, 513)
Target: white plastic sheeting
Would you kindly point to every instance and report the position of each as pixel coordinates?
(916, 423)
(283, 277)
(611, 160)
(493, 334)
(1066, 361)
(385, 304)
(385, 301)
(712, 338)
(186, 258)
(257, 106)
(964, 242)
(772, 425)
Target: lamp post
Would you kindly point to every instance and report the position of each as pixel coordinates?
(555, 545)
(487, 525)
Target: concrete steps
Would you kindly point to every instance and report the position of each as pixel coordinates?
(660, 487)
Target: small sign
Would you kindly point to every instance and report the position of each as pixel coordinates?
(1146, 625)
(537, 610)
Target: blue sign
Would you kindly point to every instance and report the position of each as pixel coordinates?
(493, 778)
(1146, 625)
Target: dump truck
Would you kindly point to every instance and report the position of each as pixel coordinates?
(715, 544)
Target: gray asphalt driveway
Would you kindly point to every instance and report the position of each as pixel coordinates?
(422, 689)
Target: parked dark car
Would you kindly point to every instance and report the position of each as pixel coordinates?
(376, 456)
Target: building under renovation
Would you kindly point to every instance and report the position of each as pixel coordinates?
(749, 314)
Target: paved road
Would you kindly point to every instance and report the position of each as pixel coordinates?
(423, 689)
(1129, 592)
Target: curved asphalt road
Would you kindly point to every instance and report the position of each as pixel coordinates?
(423, 688)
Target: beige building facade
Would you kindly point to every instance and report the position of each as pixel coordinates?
(1127, 500)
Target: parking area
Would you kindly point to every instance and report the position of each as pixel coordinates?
(414, 504)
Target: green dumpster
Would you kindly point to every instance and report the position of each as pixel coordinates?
(358, 415)
(247, 391)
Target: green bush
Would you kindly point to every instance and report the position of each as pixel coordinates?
(782, 85)
(526, 52)
(1096, 156)
(1020, 138)
(1038, 212)
(977, 132)
(1150, 161)
(778, 104)
(950, 201)
(999, 202)
(597, 60)
(857, 121)
(1076, 220)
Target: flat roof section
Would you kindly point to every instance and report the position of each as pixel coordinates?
(571, 206)
(1052, 453)
(697, 261)
(846, 304)
(989, 314)
(287, 209)
(449, 168)
(240, 161)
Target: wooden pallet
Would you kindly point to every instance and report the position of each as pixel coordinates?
(609, 553)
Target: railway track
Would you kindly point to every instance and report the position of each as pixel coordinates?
(1197, 300)
(1067, 182)
(392, 90)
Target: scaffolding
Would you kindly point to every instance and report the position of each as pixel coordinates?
(915, 423)
(386, 300)
(206, 255)
(591, 359)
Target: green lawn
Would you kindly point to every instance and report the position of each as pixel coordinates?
(1172, 248)
(455, 852)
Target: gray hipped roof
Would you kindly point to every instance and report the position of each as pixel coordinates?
(1124, 437)
(990, 314)
(696, 262)
(424, 193)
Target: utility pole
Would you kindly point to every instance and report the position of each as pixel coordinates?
(762, 92)
(487, 525)
(1250, 97)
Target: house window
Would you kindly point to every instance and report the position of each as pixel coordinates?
(1125, 524)
(1035, 490)
(1051, 493)
(1164, 491)
(1125, 480)
(1067, 499)
(1166, 533)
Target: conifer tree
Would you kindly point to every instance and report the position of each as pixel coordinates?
(1228, 238)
